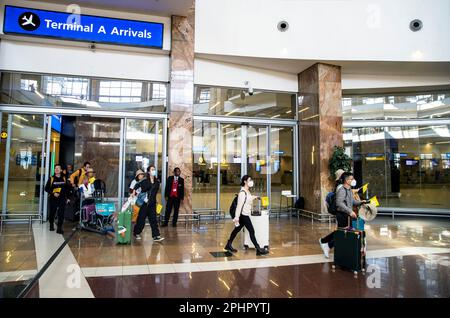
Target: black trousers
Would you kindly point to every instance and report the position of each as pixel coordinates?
(56, 206)
(175, 203)
(147, 210)
(244, 220)
(342, 221)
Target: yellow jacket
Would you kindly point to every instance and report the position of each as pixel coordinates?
(80, 173)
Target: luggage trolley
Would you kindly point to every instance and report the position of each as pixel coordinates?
(96, 214)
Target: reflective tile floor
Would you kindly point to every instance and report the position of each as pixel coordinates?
(411, 257)
(407, 276)
(288, 237)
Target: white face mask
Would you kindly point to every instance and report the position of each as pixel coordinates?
(353, 183)
(250, 184)
(153, 173)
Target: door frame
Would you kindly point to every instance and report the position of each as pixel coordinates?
(245, 122)
(47, 112)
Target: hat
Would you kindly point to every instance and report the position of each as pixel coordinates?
(338, 174)
(139, 172)
(367, 212)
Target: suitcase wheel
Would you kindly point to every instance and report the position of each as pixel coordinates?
(333, 266)
(355, 273)
(246, 247)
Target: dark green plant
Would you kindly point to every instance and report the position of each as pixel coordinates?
(339, 160)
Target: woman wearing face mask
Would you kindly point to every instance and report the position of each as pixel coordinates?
(149, 185)
(242, 217)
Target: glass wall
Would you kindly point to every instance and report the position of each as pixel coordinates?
(82, 92)
(237, 102)
(405, 166)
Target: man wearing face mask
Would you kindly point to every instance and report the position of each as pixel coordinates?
(344, 203)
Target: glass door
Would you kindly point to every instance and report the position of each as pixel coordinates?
(258, 166)
(230, 163)
(205, 165)
(21, 153)
(143, 147)
(282, 165)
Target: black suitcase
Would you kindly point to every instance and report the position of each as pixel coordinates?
(349, 250)
(70, 211)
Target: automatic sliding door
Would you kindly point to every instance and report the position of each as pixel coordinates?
(20, 156)
(205, 165)
(98, 141)
(281, 161)
(230, 163)
(257, 159)
(143, 147)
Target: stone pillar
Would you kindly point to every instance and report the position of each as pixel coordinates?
(320, 116)
(182, 102)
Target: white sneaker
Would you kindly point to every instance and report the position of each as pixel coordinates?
(137, 237)
(325, 248)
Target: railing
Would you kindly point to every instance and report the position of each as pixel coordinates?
(210, 213)
(314, 216)
(20, 217)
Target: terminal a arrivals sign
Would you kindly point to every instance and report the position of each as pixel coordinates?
(80, 27)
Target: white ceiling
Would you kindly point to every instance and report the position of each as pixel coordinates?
(348, 67)
(156, 7)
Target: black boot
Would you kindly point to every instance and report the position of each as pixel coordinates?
(52, 227)
(59, 230)
(261, 251)
(230, 248)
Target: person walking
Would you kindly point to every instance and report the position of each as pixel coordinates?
(174, 194)
(57, 187)
(345, 201)
(242, 216)
(149, 185)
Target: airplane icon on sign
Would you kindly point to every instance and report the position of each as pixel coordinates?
(28, 20)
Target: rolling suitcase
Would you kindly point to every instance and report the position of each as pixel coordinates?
(124, 227)
(69, 211)
(349, 249)
(260, 221)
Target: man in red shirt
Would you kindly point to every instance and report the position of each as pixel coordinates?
(174, 194)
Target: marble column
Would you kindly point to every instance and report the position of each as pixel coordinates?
(320, 116)
(182, 102)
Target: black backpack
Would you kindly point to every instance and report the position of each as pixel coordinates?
(233, 205)
(331, 203)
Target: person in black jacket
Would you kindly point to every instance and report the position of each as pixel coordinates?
(56, 188)
(174, 194)
(150, 185)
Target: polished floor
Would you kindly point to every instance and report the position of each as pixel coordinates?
(407, 276)
(412, 256)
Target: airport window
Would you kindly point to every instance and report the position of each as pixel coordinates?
(66, 86)
(239, 102)
(397, 107)
(28, 85)
(80, 92)
(120, 91)
(159, 91)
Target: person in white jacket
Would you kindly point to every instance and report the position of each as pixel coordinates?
(242, 217)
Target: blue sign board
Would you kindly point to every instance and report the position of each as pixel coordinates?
(82, 27)
(56, 123)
